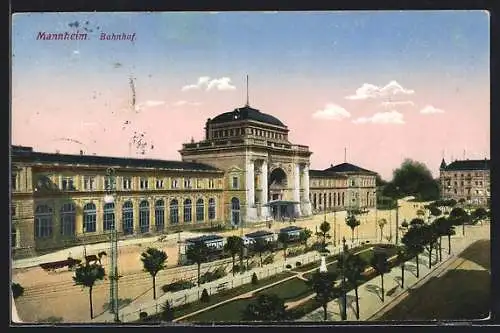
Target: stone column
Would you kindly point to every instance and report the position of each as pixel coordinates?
(251, 215)
(250, 183)
(306, 206)
(264, 187)
(296, 189)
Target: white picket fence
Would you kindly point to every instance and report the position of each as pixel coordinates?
(131, 312)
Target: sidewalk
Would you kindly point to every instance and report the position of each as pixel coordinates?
(369, 293)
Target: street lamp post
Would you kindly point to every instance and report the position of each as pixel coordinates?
(344, 289)
(397, 221)
(334, 228)
(376, 203)
(109, 198)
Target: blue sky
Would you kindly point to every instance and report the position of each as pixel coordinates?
(300, 64)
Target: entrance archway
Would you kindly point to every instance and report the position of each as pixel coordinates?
(277, 184)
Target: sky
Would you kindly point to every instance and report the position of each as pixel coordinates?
(382, 86)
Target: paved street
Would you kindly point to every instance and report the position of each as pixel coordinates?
(369, 293)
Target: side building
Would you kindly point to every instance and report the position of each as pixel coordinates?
(343, 186)
(58, 200)
(466, 179)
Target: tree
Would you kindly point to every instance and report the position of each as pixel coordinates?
(413, 243)
(352, 222)
(428, 236)
(380, 265)
(435, 211)
(153, 261)
(353, 270)
(86, 276)
(266, 308)
(197, 253)
(205, 297)
(413, 178)
(416, 222)
(233, 247)
(324, 232)
(255, 279)
(284, 239)
(305, 234)
(381, 225)
(479, 214)
(441, 226)
(260, 246)
(459, 216)
(167, 312)
(402, 255)
(450, 231)
(323, 284)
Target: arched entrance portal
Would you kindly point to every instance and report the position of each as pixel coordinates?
(278, 185)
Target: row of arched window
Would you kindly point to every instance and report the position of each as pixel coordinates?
(328, 200)
(44, 216)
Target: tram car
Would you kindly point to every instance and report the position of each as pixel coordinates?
(293, 233)
(215, 244)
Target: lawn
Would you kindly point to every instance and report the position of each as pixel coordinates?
(229, 312)
(459, 294)
(289, 291)
(224, 295)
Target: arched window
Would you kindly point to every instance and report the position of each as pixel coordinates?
(108, 221)
(324, 200)
(68, 219)
(211, 209)
(338, 199)
(144, 216)
(314, 201)
(187, 210)
(235, 211)
(334, 198)
(174, 212)
(320, 197)
(330, 199)
(89, 218)
(160, 215)
(43, 221)
(343, 196)
(128, 218)
(200, 214)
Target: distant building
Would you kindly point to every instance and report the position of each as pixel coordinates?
(466, 179)
(342, 186)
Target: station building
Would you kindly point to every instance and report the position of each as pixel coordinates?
(245, 171)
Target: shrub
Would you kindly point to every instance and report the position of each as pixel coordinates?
(298, 263)
(177, 286)
(167, 312)
(255, 279)
(143, 315)
(212, 276)
(17, 290)
(288, 266)
(268, 260)
(204, 296)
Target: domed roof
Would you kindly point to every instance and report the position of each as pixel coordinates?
(247, 113)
